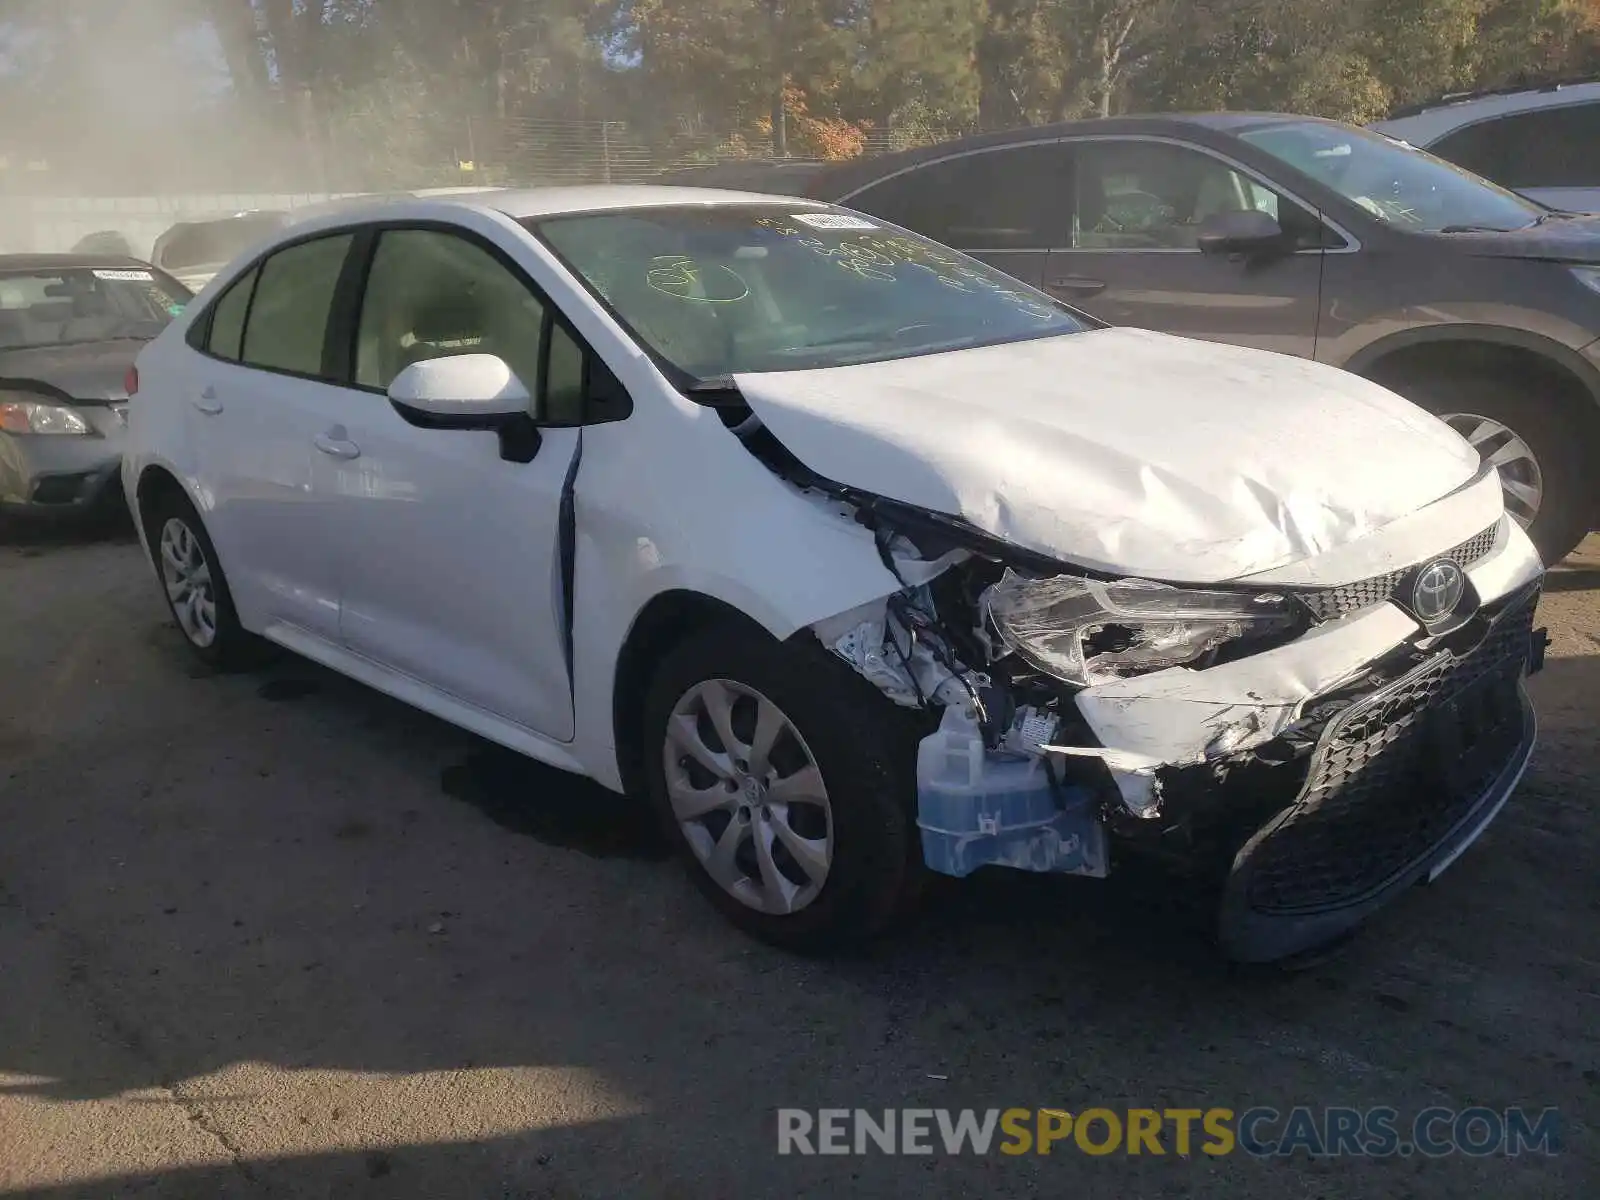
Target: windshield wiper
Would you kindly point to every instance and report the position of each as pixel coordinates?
(1475, 229)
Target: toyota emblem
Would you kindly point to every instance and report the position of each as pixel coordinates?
(1438, 589)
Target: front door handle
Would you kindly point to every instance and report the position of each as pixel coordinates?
(1078, 285)
(336, 443)
(208, 403)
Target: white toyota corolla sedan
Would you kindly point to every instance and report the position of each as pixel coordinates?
(855, 557)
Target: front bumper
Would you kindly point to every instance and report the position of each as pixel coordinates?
(1399, 783)
(41, 475)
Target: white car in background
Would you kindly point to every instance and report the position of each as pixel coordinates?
(855, 556)
(196, 248)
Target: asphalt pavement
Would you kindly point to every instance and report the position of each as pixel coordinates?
(275, 935)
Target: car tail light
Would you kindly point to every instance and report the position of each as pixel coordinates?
(130, 381)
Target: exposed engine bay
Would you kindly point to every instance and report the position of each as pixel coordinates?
(1069, 710)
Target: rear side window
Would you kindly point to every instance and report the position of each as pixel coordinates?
(1548, 147)
(1011, 198)
(227, 319)
(289, 315)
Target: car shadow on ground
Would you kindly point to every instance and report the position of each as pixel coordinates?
(339, 916)
(33, 537)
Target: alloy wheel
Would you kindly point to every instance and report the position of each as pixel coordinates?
(1512, 458)
(187, 576)
(747, 793)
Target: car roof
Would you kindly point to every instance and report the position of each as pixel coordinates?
(523, 204)
(1424, 124)
(556, 201)
(67, 262)
(846, 177)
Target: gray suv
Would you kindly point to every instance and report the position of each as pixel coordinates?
(1303, 236)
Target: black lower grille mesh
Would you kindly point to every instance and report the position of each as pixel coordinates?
(1393, 774)
(1327, 603)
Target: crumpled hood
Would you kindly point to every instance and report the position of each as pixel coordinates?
(1124, 450)
(93, 371)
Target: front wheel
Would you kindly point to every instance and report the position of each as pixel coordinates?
(787, 783)
(1535, 445)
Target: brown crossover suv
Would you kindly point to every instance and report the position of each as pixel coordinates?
(1293, 234)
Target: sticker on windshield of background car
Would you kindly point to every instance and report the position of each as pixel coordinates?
(126, 276)
(833, 221)
(679, 276)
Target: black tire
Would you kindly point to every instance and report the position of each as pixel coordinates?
(233, 648)
(1559, 438)
(864, 747)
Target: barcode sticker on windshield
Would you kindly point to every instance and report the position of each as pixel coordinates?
(130, 276)
(833, 221)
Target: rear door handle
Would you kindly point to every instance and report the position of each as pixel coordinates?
(1079, 285)
(336, 443)
(208, 403)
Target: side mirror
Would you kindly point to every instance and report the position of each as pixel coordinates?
(469, 391)
(1245, 232)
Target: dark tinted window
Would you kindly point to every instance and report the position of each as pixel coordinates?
(227, 319)
(1148, 195)
(1004, 199)
(1549, 147)
(289, 316)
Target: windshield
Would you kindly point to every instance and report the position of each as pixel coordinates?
(718, 291)
(1405, 187)
(84, 304)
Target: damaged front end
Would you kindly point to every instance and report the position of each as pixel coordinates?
(1308, 762)
(1309, 750)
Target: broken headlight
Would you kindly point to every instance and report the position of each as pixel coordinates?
(1086, 632)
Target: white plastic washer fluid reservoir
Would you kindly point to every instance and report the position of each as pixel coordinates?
(979, 809)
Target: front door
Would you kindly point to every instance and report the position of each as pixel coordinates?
(1130, 255)
(451, 560)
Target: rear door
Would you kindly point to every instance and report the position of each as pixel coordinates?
(259, 397)
(1129, 254)
(1000, 204)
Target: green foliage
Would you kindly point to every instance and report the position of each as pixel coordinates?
(391, 89)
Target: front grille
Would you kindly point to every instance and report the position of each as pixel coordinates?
(1393, 774)
(1327, 603)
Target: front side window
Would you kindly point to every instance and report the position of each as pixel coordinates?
(1399, 185)
(432, 294)
(718, 290)
(288, 320)
(1545, 148)
(78, 305)
(1002, 199)
(1147, 195)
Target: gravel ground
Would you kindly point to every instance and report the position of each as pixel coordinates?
(276, 935)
